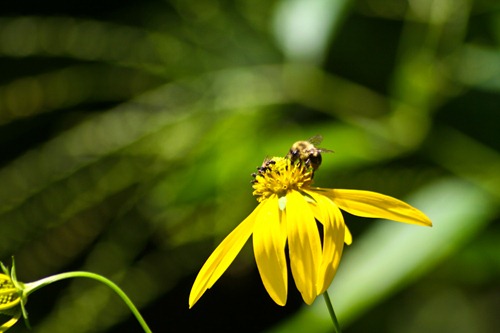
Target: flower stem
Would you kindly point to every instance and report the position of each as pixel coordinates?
(33, 286)
(332, 312)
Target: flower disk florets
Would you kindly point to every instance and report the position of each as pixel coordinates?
(9, 296)
(279, 176)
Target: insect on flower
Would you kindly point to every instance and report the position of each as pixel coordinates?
(266, 165)
(285, 225)
(307, 152)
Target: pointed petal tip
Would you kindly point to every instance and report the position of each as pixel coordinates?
(308, 300)
(192, 301)
(278, 298)
(377, 205)
(424, 220)
(280, 302)
(347, 236)
(221, 258)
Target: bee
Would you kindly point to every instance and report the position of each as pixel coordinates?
(263, 168)
(307, 152)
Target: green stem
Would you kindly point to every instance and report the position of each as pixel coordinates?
(33, 286)
(332, 312)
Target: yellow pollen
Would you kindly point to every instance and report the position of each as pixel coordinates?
(9, 296)
(280, 177)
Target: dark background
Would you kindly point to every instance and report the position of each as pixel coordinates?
(129, 130)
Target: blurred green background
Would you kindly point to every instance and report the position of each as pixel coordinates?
(129, 130)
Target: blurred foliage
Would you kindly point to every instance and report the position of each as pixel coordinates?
(129, 131)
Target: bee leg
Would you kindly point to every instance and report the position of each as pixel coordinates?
(308, 163)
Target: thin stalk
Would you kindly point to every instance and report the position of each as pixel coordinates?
(33, 286)
(329, 305)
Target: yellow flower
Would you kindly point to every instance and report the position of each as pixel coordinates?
(288, 211)
(9, 302)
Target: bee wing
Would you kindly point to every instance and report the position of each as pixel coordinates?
(266, 159)
(316, 140)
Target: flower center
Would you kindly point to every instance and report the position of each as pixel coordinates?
(279, 176)
(9, 296)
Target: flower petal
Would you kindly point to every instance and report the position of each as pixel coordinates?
(222, 257)
(304, 245)
(318, 215)
(269, 249)
(347, 236)
(372, 204)
(9, 323)
(333, 239)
